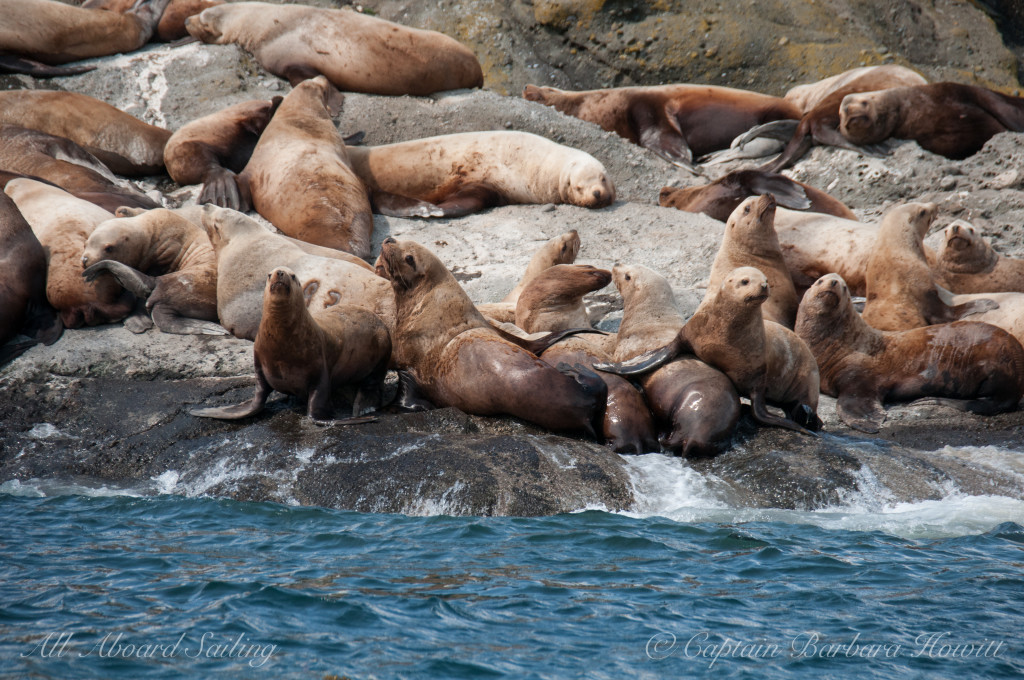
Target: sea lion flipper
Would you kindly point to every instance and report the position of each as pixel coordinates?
(36, 69)
(42, 322)
(761, 415)
(860, 412)
(788, 193)
(355, 139)
(245, 409)
(644, 363)
(135, 282)
(318, 405)
(396, 205)
(221, 188)
(408, 398)
(780, 130)
(13, 350)
(659, 132)
(169, 320)
(973, 307)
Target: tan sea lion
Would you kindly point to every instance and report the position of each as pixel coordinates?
(164, 259)
(950, 119)
(213, 149)
(1008, 311)
(815, 244)
(677, 122)
(172, 21)
(311, 354)
(901, 290)
(808, 96)
(444, 348)
(696, 405)
(62, 162)
(766, 361)
(977, 364)
(966, 263)
(719, 198)
(62, 223)
(56, 33)
(245, 248)
(356, 52)
(454, 175)
(120, 141)
(553, 300)
(299, 175)
(750, 241)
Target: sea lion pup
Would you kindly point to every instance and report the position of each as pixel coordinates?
(949, 119)
(458, 174)
(444, 348)
(62, 223)
(66, 164)
(299, 175)
(120, 141)
(164, 259)
(901, 290)
(213, 149)
(750, 241)
(356, 52)
(766, 361)
(979, 366)
(677, 122)
(719, 198)
(553, 301)
(966, 263)
(820, 124)
(696, 405)
(245, 248)
(172, 21)
(56, 33)
(23, 306)
(310, 354)
(561, 249)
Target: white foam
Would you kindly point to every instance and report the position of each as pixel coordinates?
(47, 488)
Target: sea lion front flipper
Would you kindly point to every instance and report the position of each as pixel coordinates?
(938, 310)
(408, 398)
(973, 307)
(246, 408)
(169, 320)
(761, 415)
(355, 139)
(42, 322)
(318, 405)
(469, 199)
(221, 188)
(36, 69)
(135, 282)
(660, 132)
(860, 412)
(538, 345)
(396, 205)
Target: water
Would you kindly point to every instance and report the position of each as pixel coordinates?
(105, 583)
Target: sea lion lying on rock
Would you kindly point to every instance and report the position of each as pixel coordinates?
(967, 263)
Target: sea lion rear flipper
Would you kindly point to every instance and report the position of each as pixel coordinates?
(788, 193)
(860, 412)
(756, 148)
(13, 350)
(36, 69)
(469, 199)
(761, 415)
(135, 282)
(355, 139)
(973, 307)
(396, 205)
(651, 133)
(170, 320)
(830, 136)
(1009, 116)
(42, 323)
(138, 321)
(780, 130)
(646, 362)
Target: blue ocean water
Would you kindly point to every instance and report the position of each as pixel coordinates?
(96, 584)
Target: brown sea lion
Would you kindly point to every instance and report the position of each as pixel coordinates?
(56, 33)
(553, 300)
(677, 122)
(808, 96)
(719, 198)
(213, 149)
(820, 125)
(766, 361)
(696, 405)
(172, 21)
(245, 248)
(966, 263)
(975, 363)
(950, 119)
(750, 241)
(23, 306)
(454, 175)
(120, 141)
(299, 175)
(310, 354)
(62, 223)
(1008, 311)
(901, 290)
(62, 162)
(356, 52)
(164, 259)
(445, 349)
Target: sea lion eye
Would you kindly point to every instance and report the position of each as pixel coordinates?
(744, 282)
(628, 277)
(410, 260)
(746, 210)
(108, 249)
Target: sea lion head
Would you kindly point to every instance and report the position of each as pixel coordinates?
(566, 247)
(633, 278)
(909, 219)
(539, 94)
(746, 286)
(283, 285)
(867, 117)
(755, 217)
(584, 182)
(829, 296)
(122, 239)
(222, 224)
(408, 265)
(206, 26)
(322, 89)
(964, 249)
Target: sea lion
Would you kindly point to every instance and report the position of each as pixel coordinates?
(750, 241)
(561, 249)
(808, 96)
(1006, 310)
(815, 244)
(245, 248)
(164, 259)
(950, 119)
(458, 174)
(766, 361)
(311, 354)
(62, 223)
(120, 141)
(23, 306)
(966, 263)
(444, 348)
(677, 122)
(719, 198)
(299, 175)
(977, 363)
(696, 405)
(901, 290)
(356, 52)
(172, 21)
(56, 33)
(213, 149)
(553, 300)
(62, 162)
